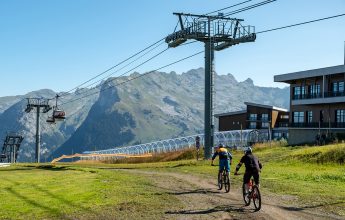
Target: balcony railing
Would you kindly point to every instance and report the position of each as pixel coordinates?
(318, 125)
(334, 94)
(258, 119)
(318, 95)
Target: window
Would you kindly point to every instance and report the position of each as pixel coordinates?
(303, 92)
(299, 92)
(264, 117)
(296, 92)
(252, 125)
(298, 117)
(253, 117)
(284, 117)
(341, 86)
(338, 88)
(309, 116)
(283, 124)
(265, 124)
(340, 116)
(314, 90)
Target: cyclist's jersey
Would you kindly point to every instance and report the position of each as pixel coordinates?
(222, 153)
(251, 162)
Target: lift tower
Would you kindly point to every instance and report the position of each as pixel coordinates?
(38, 103)
(11, 147)
(217, 33)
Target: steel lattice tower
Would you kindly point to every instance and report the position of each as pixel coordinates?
(38, 103)
(217, 33)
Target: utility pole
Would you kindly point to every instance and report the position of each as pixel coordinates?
(217, 33)
(38, 103)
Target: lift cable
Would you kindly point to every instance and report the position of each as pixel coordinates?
(249, 7)
(128, 65)
(139, 76)
(141, 51)
(142, 63)
(302, 23)
(112, 73)
(288, 26)
(231, 6)
(125, 60)
(99, 85)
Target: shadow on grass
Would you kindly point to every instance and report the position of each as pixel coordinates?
(51, 210)
(32, 202)
(238, 208)
(290, 208)
(16, 169)
(53, 167)
(196, 191)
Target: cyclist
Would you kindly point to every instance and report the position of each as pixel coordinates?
(253, 168)
(225, 159)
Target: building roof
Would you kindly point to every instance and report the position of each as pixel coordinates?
(251, 104)
(230, 113)
(309, 73)
(267, 106)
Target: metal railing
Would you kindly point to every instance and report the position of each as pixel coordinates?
(236, 138)
(318, 125)
(327, 94)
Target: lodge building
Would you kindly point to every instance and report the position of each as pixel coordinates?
(270, 119)
(317, 103)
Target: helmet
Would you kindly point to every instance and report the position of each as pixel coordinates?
(248, 150)
(220, 145)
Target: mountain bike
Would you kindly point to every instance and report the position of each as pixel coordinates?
(224, 180)
(253, 193)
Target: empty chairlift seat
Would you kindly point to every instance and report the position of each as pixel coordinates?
(59, 115)
(50, 119)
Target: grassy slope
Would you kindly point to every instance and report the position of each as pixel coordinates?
(77, 193)
(85, 190)
(290, 171)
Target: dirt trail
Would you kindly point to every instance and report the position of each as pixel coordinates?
(202, 200)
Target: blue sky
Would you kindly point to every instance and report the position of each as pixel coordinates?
(60, 44)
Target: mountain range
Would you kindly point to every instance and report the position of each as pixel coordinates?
(115, 113)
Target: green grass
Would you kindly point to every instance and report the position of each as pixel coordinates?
(312, 176)
(96, 191)
(74, 192)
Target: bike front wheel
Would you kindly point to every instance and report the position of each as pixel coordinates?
(256, 198)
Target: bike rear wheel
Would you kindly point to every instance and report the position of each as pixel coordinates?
(246, 195)
(256, 198)
(227, 183)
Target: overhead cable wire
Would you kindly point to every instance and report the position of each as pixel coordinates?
(125, 60)
(107, 76)
(151, 58)
(233, 12)
(231, 6)
(136, 67)
(102, 73)
(249, 7)
(302, 23)
(139, 76)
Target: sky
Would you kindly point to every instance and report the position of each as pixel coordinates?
(60, 44)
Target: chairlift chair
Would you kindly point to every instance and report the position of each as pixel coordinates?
(59, 115)
(50, 119)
